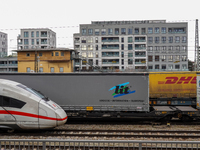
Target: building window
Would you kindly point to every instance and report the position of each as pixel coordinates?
(96, 39)
(163, 30)
(177, 39)
(150, 67)
(62, 53)
(90, 54)
(116, 31)
(130, 46)
(40, 69)
(184, 58)
(170, 39)
(32, 41)
(150, 48)
(170, 66)
(170, 58)
(156, 66)
(27, 54)
(130, 54)
(130, 31)
(177, 66)
(150, 39)
(90, 31)
(25, 41)
(52, 69)
(123, 30)
(150, 58)
(96, 47)
(61, 69)
(37, 34)
(163, 39)
(122, 40)
(96, 31)
(110, 31)
(37, 41)
(83, 40)
(177, 58)
(184, 39)
(103, 31)
(32, 34)
(163, 58)
(183, 48)
(136, 30)
(90, 47)
(83, 47)
(130, 39)
(28, 69)
(90, 40)
(157, 39)
(52, 54)
(83, 31)
(150, 30)
(97, 62)
(56, 53)
(157, 58)
(122, 54)
(143, 30)
(163, 66)
(130, 61)
(157, 30)
(122, 47)
(184, 66)
(26, 34)
(40, 54)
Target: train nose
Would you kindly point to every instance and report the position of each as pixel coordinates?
(61, 117)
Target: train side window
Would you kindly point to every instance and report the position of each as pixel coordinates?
(16, 103)
(6, 101)
(11, 102)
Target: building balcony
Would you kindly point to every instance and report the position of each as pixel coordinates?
(140, 48)
(43, 35)
(110, 55)
(140, 55)
(44, 42)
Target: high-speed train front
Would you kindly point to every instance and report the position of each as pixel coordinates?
(22, 107)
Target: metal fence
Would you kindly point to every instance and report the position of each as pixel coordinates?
(34, 144)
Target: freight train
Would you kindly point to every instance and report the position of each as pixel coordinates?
(142, 95)
(22, 107)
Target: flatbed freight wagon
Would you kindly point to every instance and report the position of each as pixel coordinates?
(98, 95)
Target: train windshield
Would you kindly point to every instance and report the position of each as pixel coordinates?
(35, 92)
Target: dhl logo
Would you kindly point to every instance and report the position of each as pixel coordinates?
(179, 80)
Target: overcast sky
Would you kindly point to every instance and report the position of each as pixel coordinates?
(64, 16)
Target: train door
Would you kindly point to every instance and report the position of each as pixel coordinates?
(7, 120)
(47, 117)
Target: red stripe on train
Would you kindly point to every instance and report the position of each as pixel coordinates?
(30, 115)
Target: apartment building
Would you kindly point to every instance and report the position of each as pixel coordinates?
(36, 38)
(3, 44)
(154, 45)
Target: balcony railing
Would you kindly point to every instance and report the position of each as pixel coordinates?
(110, 40)
(114, 62)
(8, 64)
(176, 32)
(110, 47)
(140, 55)
(43, 35)
(140, 40)
(44, 42)
(139, 48)
(110, 55)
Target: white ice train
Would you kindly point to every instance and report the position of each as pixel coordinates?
(24, 108)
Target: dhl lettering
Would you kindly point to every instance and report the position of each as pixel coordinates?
(181, 80)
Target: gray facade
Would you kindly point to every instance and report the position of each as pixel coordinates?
(36, 38)
(8, 64)
(3, 44)
(155, 45)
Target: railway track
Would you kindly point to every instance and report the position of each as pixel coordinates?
(110, 134)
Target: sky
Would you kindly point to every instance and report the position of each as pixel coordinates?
(64, 16)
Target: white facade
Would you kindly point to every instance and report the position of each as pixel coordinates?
(36, 38)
